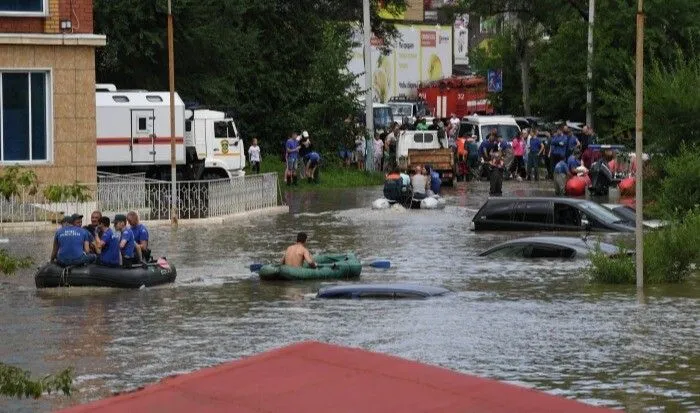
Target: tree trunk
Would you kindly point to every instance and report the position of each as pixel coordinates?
(525, 81)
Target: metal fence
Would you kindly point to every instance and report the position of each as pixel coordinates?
(151, 198)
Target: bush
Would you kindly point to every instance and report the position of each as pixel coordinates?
(679, 189)
(669, 256)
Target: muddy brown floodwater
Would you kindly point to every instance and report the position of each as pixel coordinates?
(537, 323)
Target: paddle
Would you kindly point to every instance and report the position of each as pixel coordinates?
(383, 264)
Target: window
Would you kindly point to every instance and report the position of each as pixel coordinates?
(120, 99)
(535, 211)
(188, 126)
(223, 130)
(567, 215)
(498, 211)
(428, 137)
(23, 7)
(25, 124)
(142, 124)
(507, 132)
(154, 98)
(466, 130)
(418, 138)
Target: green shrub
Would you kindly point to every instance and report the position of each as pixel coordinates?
(679, 189)
(669, 256)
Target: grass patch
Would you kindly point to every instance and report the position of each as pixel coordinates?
(333, 175)
(671, 254)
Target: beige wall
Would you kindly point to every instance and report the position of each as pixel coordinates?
(414, 10)
(73, 100)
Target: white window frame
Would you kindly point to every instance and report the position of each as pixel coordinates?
(49, 118)
(43, 13)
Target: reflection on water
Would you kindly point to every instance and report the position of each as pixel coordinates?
(536, 323)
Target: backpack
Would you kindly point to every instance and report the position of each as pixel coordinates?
(395, 190)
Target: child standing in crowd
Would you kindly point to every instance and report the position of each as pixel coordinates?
(254, 156)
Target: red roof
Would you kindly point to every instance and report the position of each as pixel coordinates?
(317, 377)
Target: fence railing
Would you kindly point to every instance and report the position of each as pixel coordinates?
(114, 194)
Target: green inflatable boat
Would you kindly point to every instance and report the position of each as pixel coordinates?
(329, 266)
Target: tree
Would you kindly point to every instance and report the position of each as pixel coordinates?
(14, 382)
(252, 58)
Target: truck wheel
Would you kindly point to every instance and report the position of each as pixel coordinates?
(212, 176)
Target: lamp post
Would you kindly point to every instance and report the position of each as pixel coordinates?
(367, 32)
(639, 128)
(171, 78)
(589, 64)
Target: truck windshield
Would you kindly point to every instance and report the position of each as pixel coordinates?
(401, 110)
(507, 132)
(383, 118)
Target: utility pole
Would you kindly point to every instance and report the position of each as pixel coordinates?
(367, 31)
(639, 128)
(171, 76)
(589, 69)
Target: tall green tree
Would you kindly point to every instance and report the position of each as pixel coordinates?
(262, 60)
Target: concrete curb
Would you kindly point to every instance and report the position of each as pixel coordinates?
(23, 227)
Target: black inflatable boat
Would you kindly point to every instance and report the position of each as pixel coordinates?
(155, 273)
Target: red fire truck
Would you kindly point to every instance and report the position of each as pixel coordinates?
(461, 95)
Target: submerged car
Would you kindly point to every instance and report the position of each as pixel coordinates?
(628, 213)
(546, 214)
(549, 247)
(354, 291)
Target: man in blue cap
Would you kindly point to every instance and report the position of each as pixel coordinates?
(71, 244)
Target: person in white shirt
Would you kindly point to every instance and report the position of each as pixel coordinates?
(254, 156)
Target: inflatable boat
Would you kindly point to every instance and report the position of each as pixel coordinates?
(52, 275)
(329, 266)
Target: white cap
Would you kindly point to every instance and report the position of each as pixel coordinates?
(305, 134)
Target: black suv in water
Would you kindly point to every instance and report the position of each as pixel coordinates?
(546, 214)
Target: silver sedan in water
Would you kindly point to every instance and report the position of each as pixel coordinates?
(549, 247)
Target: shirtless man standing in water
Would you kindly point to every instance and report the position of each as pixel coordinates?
(296, 254)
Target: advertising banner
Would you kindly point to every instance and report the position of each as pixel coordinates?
(421, 53)
(461, 40)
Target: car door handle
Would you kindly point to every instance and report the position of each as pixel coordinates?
(216, 149)
(136, 140)
(152, 152)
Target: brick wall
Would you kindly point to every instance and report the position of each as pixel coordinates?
(21, 24)
(80, 15)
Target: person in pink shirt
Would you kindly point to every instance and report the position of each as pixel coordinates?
(518, 165)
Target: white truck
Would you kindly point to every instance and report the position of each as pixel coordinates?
(133, 135)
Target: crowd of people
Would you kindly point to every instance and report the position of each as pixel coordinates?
(301, 159)
(124, 245)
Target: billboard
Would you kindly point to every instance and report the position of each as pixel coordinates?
(461, 40)
(421, 53)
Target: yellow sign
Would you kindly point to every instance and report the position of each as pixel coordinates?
(224, 146)
(391, 13)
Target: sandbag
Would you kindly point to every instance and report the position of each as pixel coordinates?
(381, 203)
(429, 203)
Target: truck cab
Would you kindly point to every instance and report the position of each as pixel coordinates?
(407, 110)
(213, 141)
(425, 148)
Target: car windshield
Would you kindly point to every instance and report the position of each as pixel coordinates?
(401, 110)
(507, 132)
(382, 117)
(600, 213)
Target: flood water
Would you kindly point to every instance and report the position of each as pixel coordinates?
(535, 323)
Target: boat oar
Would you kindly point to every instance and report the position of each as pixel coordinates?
(383, 264)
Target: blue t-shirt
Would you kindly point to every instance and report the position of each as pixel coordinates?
(435, 182)
(291, 145)
(128, 236)
(140, 233)
(571, 142)
(71, 242)
(485, 148)
(314, 156)
(572, 162)
(559, 145)
(110, 249)
(535, 145)
(561, 168)
(504, 145)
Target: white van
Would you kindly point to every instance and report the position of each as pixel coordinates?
(480, 126)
